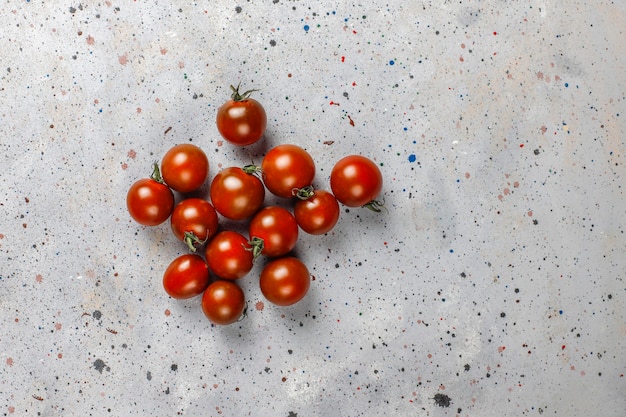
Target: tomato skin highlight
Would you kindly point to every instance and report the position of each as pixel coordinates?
(236, 194)
(317, 214)
(276, 228)
(287, 168)
(185, 167)
(241, 120)
(355, 181)
(186, 277)
(149, 202)
(229, 256)
(223, 302)
(194, 221)
(285, 281)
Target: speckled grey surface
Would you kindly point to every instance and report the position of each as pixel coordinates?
(493, 286)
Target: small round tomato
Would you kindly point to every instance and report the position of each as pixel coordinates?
(186, 277)
(149, 201)
(185, 167)
(286, 169)
(318, 213)
(237, 193)
(223, 302)
(273, 232)
(356, 181)
(285, 281)
(241, 120)
(194, 221)
(229, 255)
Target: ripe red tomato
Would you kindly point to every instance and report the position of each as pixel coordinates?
(194, 221)
(237, 193)
(241, 120)
(287, 168)
(186, 277)
(273, 232)
(185, 167)
(285, 281)
(229, 255)
(149, 201)
(317, 214)
(223, 302)
(356, 181)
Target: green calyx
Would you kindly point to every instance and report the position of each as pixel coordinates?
(303, 193)
(256, 246)
(156, 173)
(237, 96)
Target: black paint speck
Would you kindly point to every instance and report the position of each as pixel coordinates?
(100, 365)
(97, 315)
(272, 42)
(442, 400)
(536, 151)
(238, 9)
(466, 367)
(503, 315)
(149, 375)
(535, 222)
(291, 413)
(174, 367)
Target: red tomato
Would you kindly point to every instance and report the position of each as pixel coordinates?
(285, 281)
(273, 232)
(186, 277)
(185, 167)
(194, 221)
(356, 181)
(286, 169)
(223, 302)
(237, 193)
(149, 201)
(317, 214)
(229, 255)
(241, 120)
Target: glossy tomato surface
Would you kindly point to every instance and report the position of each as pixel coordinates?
(241, 120)
(355, 181)
(149, 202)
(317, 214)
(194, 221)
(236, 194)
(229, 255)
(185, 167)
(223, 302)
(285, 281)
(275, 229)
(186, 277)
(286, 169)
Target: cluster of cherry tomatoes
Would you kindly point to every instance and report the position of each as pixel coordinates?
(217, 257)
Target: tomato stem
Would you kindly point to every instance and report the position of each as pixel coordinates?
(156, 173)
(237, 96)
(303, 193)
(252, 169)
(192, 240)
(376, 206)
(256, 246)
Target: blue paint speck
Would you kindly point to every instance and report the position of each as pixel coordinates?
(306, 28)
(392, 62)
(412, 158)
(566, 85)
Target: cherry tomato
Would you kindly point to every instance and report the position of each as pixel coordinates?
(149, 201)
(356, 181)
(185, 167)
(241, 120)
(287, 168)
(273, 232)
(194, 221)
(285, 281)
(237, 193)
(318, 213)
(186, 277)
(223, 302)
(229, 255)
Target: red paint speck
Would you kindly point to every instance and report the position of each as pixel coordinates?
(495, 33)
(259, 305)
(521, 145)
(10, 361)
(167, 312)
(39, 278)
(132, 154)
(501, 349)
(163, 51)
(138, 109)
(57, 326)
(60, 356)
(124, 166)
(90, 40)
(343, 59)
(123, 59)
(530, 213)
(563, 347)
(467, 175)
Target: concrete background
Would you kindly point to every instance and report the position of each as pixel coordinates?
(493, 286)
